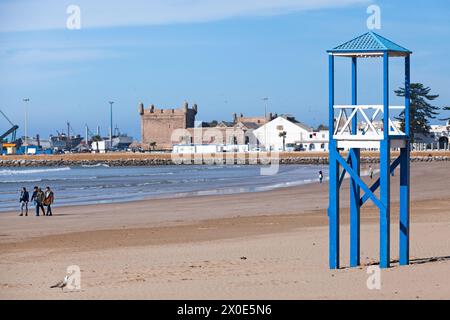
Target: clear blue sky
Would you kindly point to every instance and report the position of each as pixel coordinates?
(223, 55)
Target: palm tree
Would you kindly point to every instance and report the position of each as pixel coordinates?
(96, 138)
(322, 127)
(153, 145)
(283, 135)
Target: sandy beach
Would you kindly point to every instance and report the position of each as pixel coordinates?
(266, 245)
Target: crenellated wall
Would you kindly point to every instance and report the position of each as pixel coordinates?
(158, 124)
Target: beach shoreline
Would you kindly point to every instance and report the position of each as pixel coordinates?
(101, 185)
(265, 245)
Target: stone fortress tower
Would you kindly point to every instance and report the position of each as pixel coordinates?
(157, 125)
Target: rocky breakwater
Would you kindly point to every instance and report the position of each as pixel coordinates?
(161, 161)
(88, 163)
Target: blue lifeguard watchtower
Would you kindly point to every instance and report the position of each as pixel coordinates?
(355, 127)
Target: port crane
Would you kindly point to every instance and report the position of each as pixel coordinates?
(12, 131)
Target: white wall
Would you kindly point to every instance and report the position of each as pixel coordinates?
(312, 141)
(99, 146)
(268, 134)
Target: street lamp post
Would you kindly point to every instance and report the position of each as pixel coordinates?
(111, 124)
(26, 100)
(265, 122)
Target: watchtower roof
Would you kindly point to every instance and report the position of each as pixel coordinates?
(369, 44)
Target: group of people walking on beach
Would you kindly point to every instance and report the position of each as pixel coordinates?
(39, 198)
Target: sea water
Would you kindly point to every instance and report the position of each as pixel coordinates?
(83, 185)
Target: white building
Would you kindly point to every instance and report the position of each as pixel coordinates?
(441, 135)
(438, 138)
(298, 136)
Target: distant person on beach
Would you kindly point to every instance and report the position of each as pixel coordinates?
(41, 197)
(320, 176)
(38, 198)
(34, 199)
(371, 172)
(24, 199)
(48, 200)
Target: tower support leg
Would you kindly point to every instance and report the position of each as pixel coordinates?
(404, 204)
(354, 187)
(385, 219)
(333, 209)
(355, 211)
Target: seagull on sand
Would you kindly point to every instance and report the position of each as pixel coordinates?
(61, 284)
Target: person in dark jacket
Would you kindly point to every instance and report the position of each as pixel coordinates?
(24, 199)
(33, 199)
(38, 198)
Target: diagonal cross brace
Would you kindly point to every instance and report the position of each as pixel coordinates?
(375, 186)
(347, 123)
(359, 181)
(341, 178)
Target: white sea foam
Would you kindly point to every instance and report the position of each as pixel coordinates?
(157, 174)
(10, 172)
(285, 184)
(95, 165)
(22, 181)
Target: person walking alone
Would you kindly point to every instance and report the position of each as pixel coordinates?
(371, 172)
(48, 200)
(320, 176)
(24, 199)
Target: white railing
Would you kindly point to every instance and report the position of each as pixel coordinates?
(368, 128)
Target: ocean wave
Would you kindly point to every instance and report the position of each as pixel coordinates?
(158, 174)
(286, 184)
(22, 181)
(48, 179)
(95, 165)
(9, 172)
